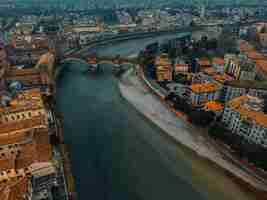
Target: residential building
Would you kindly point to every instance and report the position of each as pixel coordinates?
(209, 71)
(222, 78)
(163, 68)
(254, 55)
(202, 93)
(261, 69)
(203, 63)
(24, 133)
(15, 184)
(263, 39)
(32, 182)
(181, 90)
(181, 68)
(243, 116)
(214, 107)
(241, 68)
(236, 88)
(219, 65)
(43, 179)
(29, 77)
(245, 47)
(4, 64)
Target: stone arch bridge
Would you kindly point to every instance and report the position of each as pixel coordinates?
(50, 65)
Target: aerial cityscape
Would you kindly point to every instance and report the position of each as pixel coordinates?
(136, 100)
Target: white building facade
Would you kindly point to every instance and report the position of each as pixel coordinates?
(241, 119)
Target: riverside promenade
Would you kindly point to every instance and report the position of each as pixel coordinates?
(137, 93)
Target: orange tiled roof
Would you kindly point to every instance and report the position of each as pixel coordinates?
(43, 147)
(237, 104)
(181, 65)
(222, 78)
(44, 59)
(204, 87)
(245, 47)
(254, 55)
(181, 68)
(218, 61)
(209, 71)
(262, 65)
(27, 100)
(162, 62)
(23, 72)
(204, 62)
(37, 149)
(214, 106)
(20, 126)
(13, 184)
(92, 62)
(14, 137)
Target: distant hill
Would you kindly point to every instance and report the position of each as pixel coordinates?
(140, 3)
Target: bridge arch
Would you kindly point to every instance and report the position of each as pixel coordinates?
(64, 64)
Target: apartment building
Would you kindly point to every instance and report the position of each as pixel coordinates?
(163, 68)
(202, 93)
(241, 68)
(243, 116)
(236, 88)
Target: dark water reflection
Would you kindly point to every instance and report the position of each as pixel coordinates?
(118, 155)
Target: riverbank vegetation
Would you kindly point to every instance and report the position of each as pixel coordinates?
(245, 150)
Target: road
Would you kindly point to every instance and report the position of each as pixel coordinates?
(117, 154)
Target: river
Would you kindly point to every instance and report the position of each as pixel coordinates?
(117, 154)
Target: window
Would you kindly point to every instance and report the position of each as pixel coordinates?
(12, 117)
(29, 114)
(18, 116)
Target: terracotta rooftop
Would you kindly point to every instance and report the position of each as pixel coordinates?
(92, 61)
(162, 62)
(204, 62)
(15, 189)
(213, 106)
(14, 183)
(254, 55)
(218, 61)
(245, 47)
(262, 65)
(22, 126)
(27, 100)
(205, 87)
(34, 148)
(44, 59)
(164, 68)
(23, 72)
(222, 78)
(209, 71)
(181, 65)
(239, 105)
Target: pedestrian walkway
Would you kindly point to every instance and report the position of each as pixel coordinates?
(137, 94)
